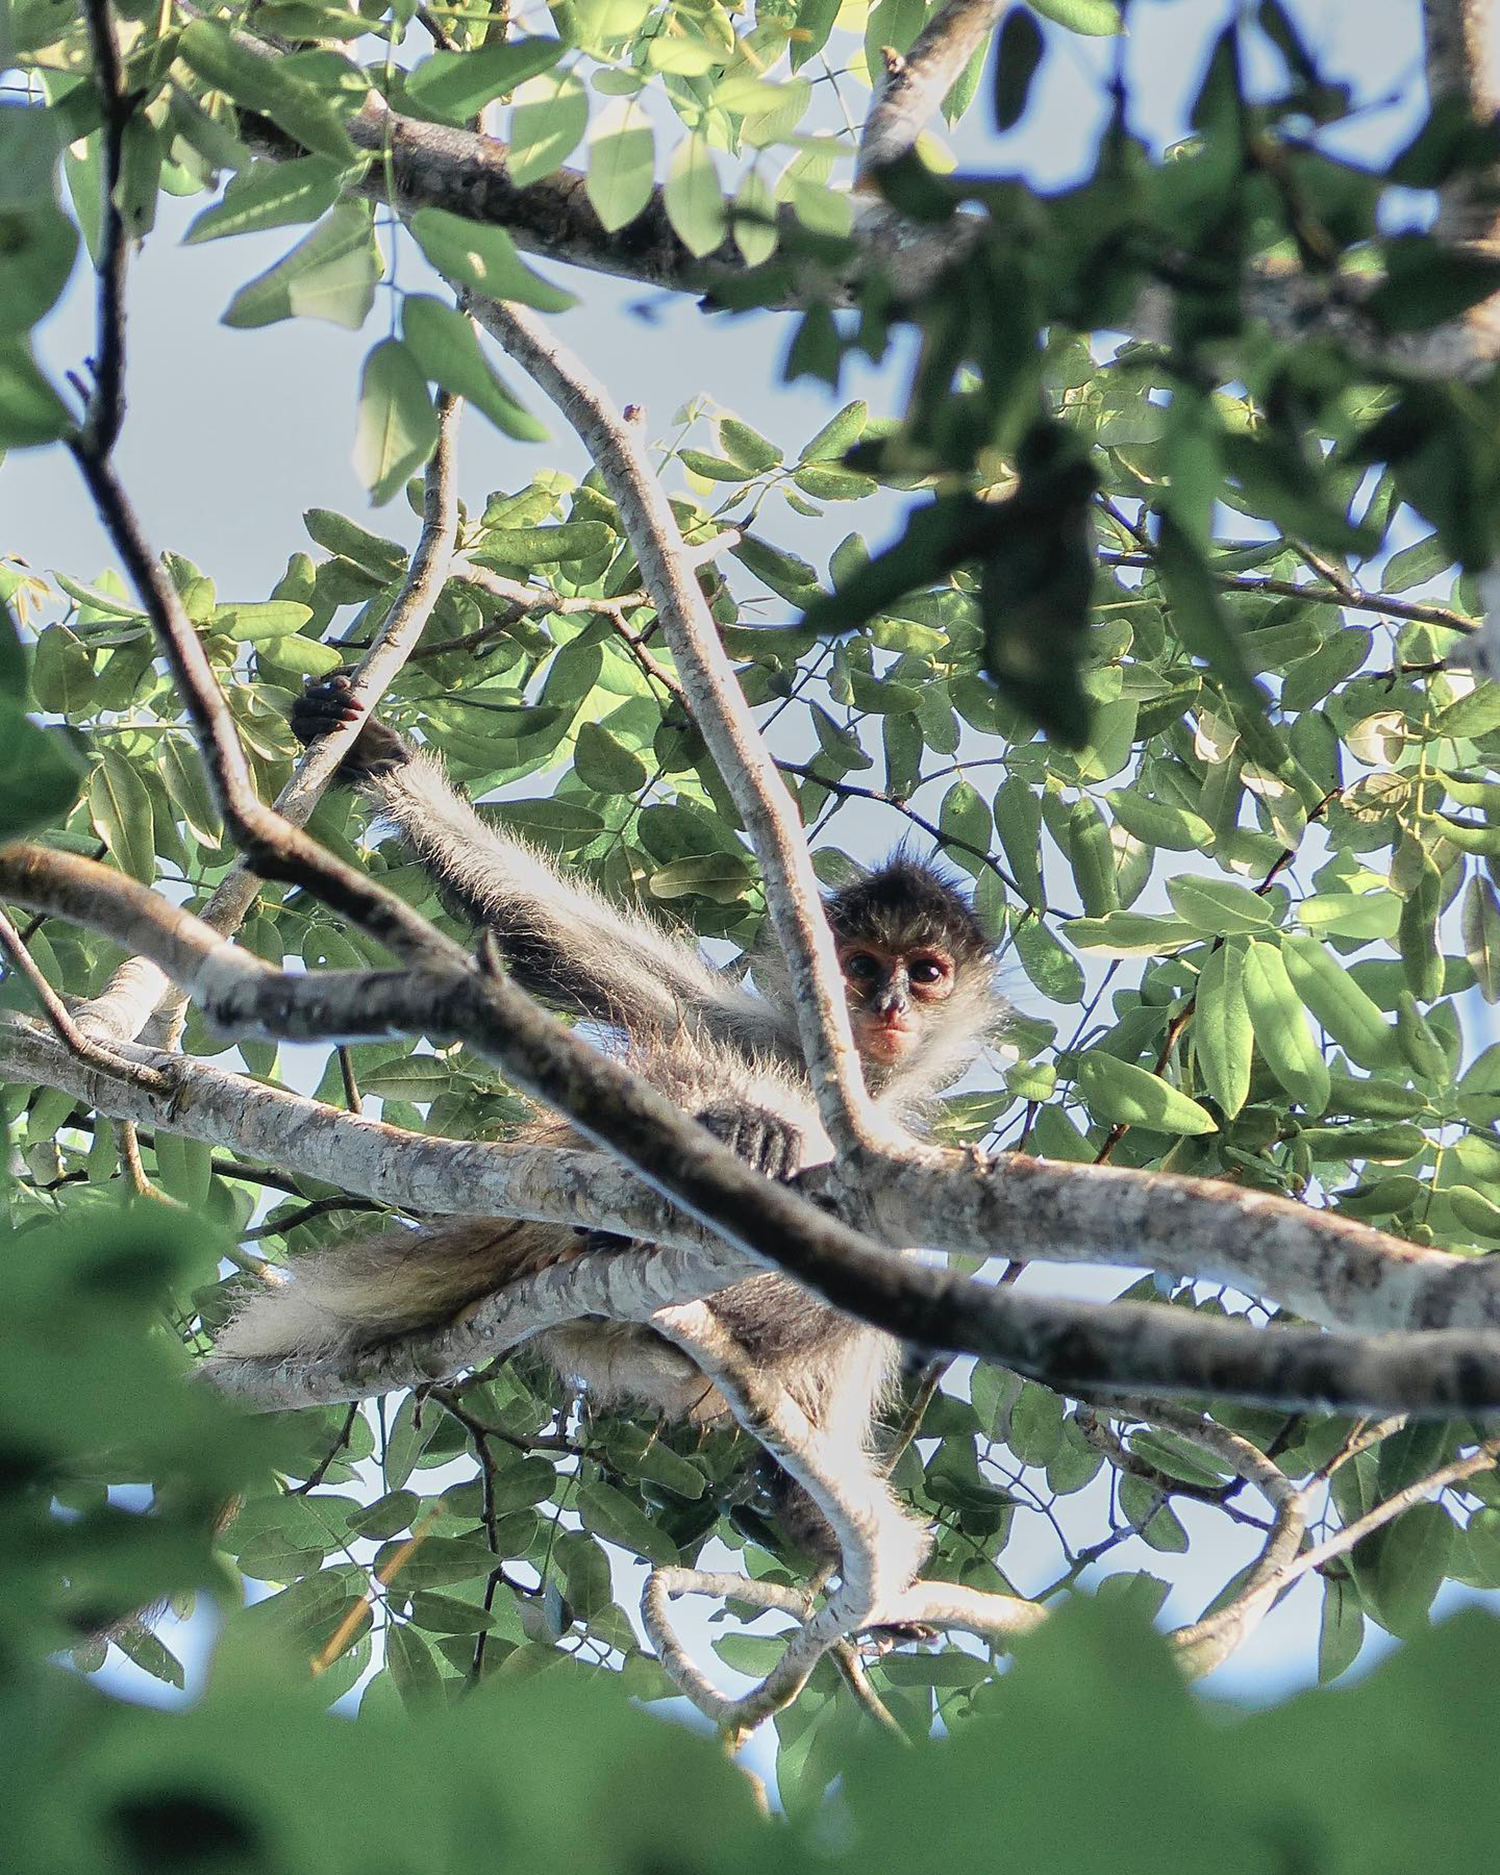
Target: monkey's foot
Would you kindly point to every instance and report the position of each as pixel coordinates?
(329, 704)
(761, 1138)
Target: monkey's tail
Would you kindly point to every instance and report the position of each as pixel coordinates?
(372, 1288)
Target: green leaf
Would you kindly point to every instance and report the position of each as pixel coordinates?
(386, 559)
(413, 1666)
(268, 618)
(1419, 1042)
(1400, 1567)
(1092, 859)
(622, 164)
(1160, 825)
(1131, 934)
(1200, 616)
(1350, 914)
(448, 1614)
(1049, 965)
(1218, 907)
(693, 199)
(1475, 714)
(40, 773)
(330, 274)
(1481, 933)
(261, 82)
(1354, 1021)
(435, 1562)
(1415, 565)
(549, 117)
(712, 468)
(787, 576)
(1120, 1092)
(1281, 1033)
(1428, 282)
(95, 600)
(752, 451)
(120, 809)
(1096, 17)
(396, 428)
(1018, 821)
(754, 220)
(842, 430)
(269, 195)
(31, 412)
(38, 240)
(455, 86)
(62, 671)
(446, 347)
(485, 260)
(1223, 1038)
(605, 764)
(1036, 1424)
(544, 546)
(1016, 60)
(717, 876)
(815, 20)
(1313, 678)
(610, 1514)
(387, 1516)
(827, 484)
(683, 58)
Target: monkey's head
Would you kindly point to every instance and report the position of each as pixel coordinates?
(917, 966)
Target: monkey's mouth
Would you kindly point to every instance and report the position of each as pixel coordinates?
(888, 1039)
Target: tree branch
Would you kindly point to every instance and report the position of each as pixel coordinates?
(1348, 596)
(880, 1547)
(90, 1054)
(1463, 62)
(105, 411)
(720, 713)
(914, 86)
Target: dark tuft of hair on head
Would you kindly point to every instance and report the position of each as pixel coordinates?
(905, 903)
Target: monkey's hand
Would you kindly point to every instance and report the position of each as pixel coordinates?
(762, 1139)
(326, 706)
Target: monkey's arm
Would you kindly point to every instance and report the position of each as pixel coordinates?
(562, 940)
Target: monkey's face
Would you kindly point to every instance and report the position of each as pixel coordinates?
(893, 996)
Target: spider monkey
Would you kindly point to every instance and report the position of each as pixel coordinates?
(919, 973)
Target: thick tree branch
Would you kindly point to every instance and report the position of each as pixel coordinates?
(464, 172)
(1320, 1264)
(1073, 1347)
(306, 1138)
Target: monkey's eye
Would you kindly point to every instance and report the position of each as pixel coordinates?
(927, 970)
(861, 967)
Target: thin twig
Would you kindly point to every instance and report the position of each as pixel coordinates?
(1354, 598)
(106, 401)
